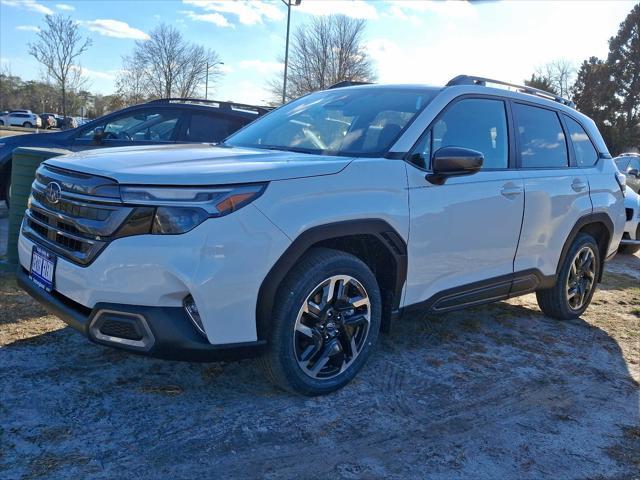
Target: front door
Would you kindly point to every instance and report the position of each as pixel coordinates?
(465, 231)
(147, 126)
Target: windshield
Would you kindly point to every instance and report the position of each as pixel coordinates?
(350, 122)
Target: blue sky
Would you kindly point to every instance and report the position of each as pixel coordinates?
(411, 41)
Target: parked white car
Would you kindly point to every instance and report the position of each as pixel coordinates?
(21, 119)
(305, 233)
(630, 243)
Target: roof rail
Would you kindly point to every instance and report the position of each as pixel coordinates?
(347, 83)
(473, 80)
(213, 103)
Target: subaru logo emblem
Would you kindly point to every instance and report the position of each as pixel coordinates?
(53, 192)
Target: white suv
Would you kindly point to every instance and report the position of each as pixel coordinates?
(21, 118)
(305, 233)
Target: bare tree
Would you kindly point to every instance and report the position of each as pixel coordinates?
(559, 74)
(329, 50)
(165, 66)
(58, 48)
(131, 83)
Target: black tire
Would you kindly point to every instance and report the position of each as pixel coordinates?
(280, 361)
(628, 249)
(1, 123)
(27, 125)
(553, 301)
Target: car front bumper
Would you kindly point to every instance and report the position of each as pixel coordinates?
(139, 284)
(162, 332)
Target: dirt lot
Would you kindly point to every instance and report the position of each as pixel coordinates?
(494, 392)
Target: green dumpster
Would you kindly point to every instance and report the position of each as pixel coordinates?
(25, 161)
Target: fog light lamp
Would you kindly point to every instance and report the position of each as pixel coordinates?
(191, 309)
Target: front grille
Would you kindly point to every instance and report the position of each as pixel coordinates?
(83, 219)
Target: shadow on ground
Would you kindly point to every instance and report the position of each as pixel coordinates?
(493, 392)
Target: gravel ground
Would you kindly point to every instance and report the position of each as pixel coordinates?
(494, 392)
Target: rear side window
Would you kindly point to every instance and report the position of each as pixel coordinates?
(541, 140)
(475, 123)
(586, 154)
(207, 128)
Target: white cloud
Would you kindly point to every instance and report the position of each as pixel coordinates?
(109, 75)
(115, 29)
(247, 92)
(448, 8)
(505, 45)
(65, 7)
(349, 8)
(248, 12)
(225, 69)
(29, 5)
(261, 66)
(28, 28)
(215, 18)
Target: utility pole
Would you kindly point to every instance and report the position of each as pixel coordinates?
(206, 84)
(286, 49)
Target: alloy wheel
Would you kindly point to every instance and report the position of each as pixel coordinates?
(332, 327)
(581, 278)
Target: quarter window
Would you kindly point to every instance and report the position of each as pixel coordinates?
(585, 154)
(541, 140)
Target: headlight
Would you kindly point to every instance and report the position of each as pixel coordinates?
(171, 210)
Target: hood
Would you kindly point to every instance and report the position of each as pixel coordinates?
(35, 139)
(631, 199)
(201, 164)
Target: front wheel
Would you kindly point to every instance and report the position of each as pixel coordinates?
(576, 282)
(325, 323)
(27, 125)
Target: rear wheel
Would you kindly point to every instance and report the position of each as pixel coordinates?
(325, 323)
(576, 282)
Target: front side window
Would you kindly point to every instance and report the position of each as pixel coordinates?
(479, 124)
(586, 154)
(146, 125)
(541, 140)
(351, 122)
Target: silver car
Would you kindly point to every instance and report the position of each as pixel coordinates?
(629, 164)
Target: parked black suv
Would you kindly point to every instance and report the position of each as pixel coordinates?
(171, 120)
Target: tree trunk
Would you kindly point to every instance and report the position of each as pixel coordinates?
(64, 107)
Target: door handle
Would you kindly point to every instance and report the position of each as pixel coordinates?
(578, 185)
(511, 190)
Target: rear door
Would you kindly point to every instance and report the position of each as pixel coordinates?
(556, 193)
(466, 230)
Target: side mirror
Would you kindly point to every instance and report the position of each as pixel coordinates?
(454, 162)
(98, 135)
(634, 172)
